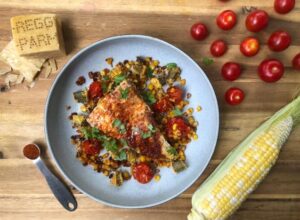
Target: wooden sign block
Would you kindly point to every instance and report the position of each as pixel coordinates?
(37, 34)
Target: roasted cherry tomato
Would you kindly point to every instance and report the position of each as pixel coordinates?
(162, 105)
(95, 90)
(234, 96)
(177, 124)
(296, 62)
(231, 71)
(175, 94)
(284, 6)
(257, 20)
(226, 20)
(249, 46)
(91, 147)
(199, 31)
(218, 48)
(279, 41)
(142, 172)
(270, 70)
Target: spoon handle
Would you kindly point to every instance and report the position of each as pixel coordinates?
(60, 191)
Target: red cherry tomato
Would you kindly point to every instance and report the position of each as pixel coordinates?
(226, 20)
(95, 90)
(199, 31)
(231, 71)
(91, 147)
(218, 48)
(175, 94)
(249, 46)
(181, 126)
(163, 105)
(234, 96)
(296, 62)
(270, 70)
(142, 172)
(284, 6)
(257, 20)
(279, 41)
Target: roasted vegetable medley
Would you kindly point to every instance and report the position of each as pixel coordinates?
(133, 119)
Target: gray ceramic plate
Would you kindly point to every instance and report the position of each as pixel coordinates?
(58, 129)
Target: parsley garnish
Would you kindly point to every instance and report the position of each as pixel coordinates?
(149, 72)
(110, 145)
(146, 134)
(124, 93)
(151, 128)
(171, 65)
(118, 124)
(121, 155)
(123, 142)
(149, 97)
(176, 111)
(172, 150)
(119, 78)
(207, 61)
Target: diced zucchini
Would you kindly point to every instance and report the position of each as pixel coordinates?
(81, 96)
(117, 179)
(178, 166)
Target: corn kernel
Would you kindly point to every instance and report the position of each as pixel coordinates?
(198, 109)
(157, 177)
(142, 158)
(182, 82)
(195, 137)
(83, 108)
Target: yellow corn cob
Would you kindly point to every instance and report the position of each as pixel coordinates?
(244, 168)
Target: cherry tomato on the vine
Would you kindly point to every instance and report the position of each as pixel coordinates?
(296, 62)
(284, 6)
(270, 70)
(257, 20)
(218, 48)
(279, 41)
(199, 31)
(234, 96)
(249, 46)
(226, 20)
(231, 71)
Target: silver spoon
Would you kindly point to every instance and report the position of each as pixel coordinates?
(60, 191)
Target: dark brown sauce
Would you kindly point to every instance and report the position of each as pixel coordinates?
(31, 151)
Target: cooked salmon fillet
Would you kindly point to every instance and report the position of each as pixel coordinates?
(124, 108)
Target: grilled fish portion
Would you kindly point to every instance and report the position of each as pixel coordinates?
(123, 114)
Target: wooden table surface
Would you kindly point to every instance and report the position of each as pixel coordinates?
(24, 193)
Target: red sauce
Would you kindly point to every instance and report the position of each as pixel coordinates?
(31, 151)
(149, 147)
(143, 173)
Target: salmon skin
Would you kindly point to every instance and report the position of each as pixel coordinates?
(123, 114)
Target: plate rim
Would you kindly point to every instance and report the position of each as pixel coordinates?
(90, 46)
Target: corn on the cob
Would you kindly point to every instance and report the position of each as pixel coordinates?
(245, 167)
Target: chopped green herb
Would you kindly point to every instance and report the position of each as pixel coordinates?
(104, 86)
(121, 155)
(110, 145)
(151, 128)
(207, 61)
(124, 93)
(105, 78)
(149, 72)
(123, 142)
(176, 111)
(149, 97)
(172, 150)
(171, 65)
(117, 123)
(119, 78)
(87, 134)
(146, 134)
